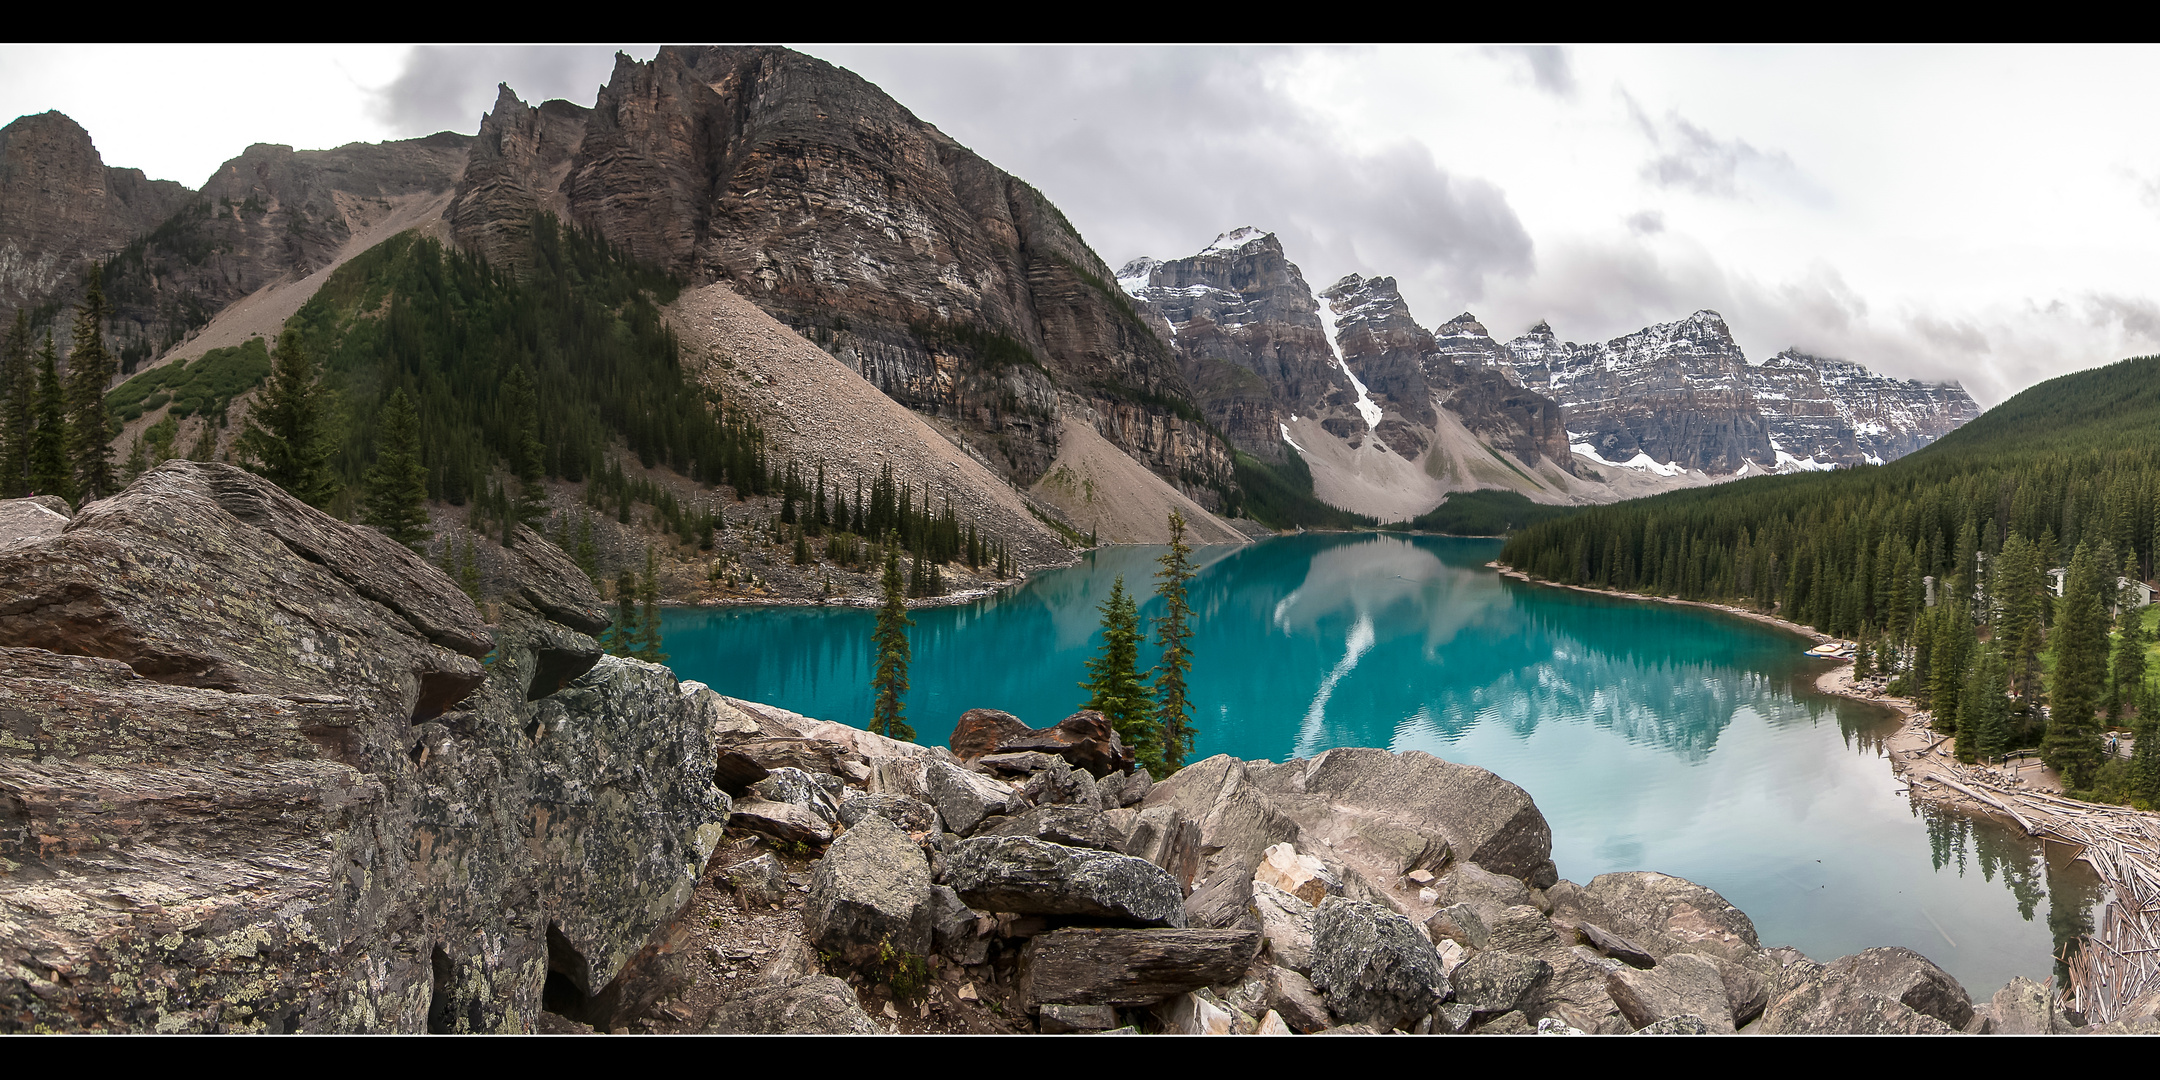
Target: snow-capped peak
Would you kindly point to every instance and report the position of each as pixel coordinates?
(1235, 239)
(1136, 275)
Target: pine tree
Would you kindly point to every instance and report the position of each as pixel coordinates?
(18, 407)
(468, 576)
(620, 638)
(1114, 686)
(90, 369)
(289, 438)
(1173, 632)
(396, 500)
(2145, 761)
(890, 654)
(48, 455)
(527, 453)
(2080, 680)
(588, 552)
(2126, 677)
(647, 645)
(1954, 643)
(1984, 713)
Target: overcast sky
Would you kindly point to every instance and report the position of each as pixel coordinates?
(1990, 215)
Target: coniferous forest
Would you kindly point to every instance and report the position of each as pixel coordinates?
(1940, 565)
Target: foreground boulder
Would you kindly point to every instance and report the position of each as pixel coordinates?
(870, 897)
(1374, 965)
(1086, 739)
(1034, 877)
(810, 1005)
(1129, 967)
(260, 781)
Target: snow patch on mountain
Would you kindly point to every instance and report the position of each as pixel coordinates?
(1640, 461)
(1329, 324)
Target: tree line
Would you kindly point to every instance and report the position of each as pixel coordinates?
(1932, 557)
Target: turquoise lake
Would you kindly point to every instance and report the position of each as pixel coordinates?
(1653, 736)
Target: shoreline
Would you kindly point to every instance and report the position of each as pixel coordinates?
(1920, 758)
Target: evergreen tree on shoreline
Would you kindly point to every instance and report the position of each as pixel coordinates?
(1173, 632)
(2080, 679)
(891, 653)
(1114, 686)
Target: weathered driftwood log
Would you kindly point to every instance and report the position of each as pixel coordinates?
(1130, 967)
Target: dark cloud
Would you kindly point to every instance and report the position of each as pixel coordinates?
(1646, 223)
(1154, 151)
(447, 87)
(1690, 158)
(2139, 317)
(1547, 66)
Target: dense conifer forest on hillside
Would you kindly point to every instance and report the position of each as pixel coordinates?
(1925, 559)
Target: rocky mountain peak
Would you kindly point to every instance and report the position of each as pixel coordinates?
(1237, 239)
(61, 205)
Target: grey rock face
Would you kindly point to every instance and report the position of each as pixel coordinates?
(1678, 1025)
(785, 822)
(1059, 782)
(1493, 981)
(1075, 1019)
(757, 883)
(1681, 984)
(1483, 818)
(27, 521)
(1033, 877)
(1664, 914)
(1907, 977)
(1374, 964)
(1286, 922)
(1810, 999)
(913, 816)
(264, 729)
(871, 892)
(2024, 1007)
(963, 798)
(1074, 826)
(788, 785)
(953, 928)
(1094, 966)
(813, 1005)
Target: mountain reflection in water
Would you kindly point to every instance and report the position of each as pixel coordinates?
(1653, 736)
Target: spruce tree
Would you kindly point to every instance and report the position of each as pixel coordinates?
(2145, 762)
(1984, 714)
(528, 455)
(588, 552)
(289, 438)
(48, 455)
(1953, 645)
(90, 368)
(2079, 684)
(647, 645)
(468, 575)
(18, 407)
(1114, 686)
(396, 500)
(890, 654)
(2126, 676)
(1173, 632)
(620, 638)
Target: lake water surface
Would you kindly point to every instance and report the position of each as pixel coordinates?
(1653, 736)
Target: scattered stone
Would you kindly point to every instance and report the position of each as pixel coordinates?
(1374, 964)
(1507, 1023)
(757, 882)
(1350, 1029)
(1165, 836)
(963, 798)
(1086, 740)
(1192, 1014)
(1026, 763)
(1302, 876)
(1459, 923)
(788, 823)
(1551, 1026)
(1467, 882)
(1223, 901)
(954, 928)
(1075, 1019)
(1077, 826)
(1286, 922)
(808, 755)
(1910, 978)
(914, 817)
(1681, 984)
(1030, 876)
(1103, 966)
(735, 772)
(1296, 1000)
(1747, 987)
(1120, 823)
(1061, 783)
(1136, 787)
(814, 1005)
(870, 897)
(791, 785)
(1453, 1018)
(1677, 1025)
(1273, 1024)
(1493, 981)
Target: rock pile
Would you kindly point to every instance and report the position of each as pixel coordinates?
(1358, 891)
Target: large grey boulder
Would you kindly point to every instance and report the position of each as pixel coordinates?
(789, 823)
(757, 883)
(963, 799)
(956, 930)
(1375, 965)
(1237, 821)
(1479, 816)
(912, 816)
(1681, 984)
(870, 897)
(1662, 914)
(2024, 1007)
(791, 785)
(1905, 976)
(1493, 981)
(1169, 838)
(1286, 922)
(811, 1005)
(1034, 877)
(1059, 782)
(1102, 966)
(1810, 999)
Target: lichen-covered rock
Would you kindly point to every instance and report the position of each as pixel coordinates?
(1663, 914)
(1059, 782)
(1480, 817)
(1286, 922)
(791, 785)
(1910, 978)
(1681, 984)
(913, 816)
(1374, 965)
(757, 883)
(1493, 981)
(260, 782)
(2024, 1007)
(1072, 825)
(1034, 877)
(1811, 999)
(811, 1005)
(870, 897)
(963, 799)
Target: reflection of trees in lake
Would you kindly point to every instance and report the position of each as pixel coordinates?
(2033, 871)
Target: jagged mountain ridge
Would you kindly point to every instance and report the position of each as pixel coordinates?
(955, 287)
